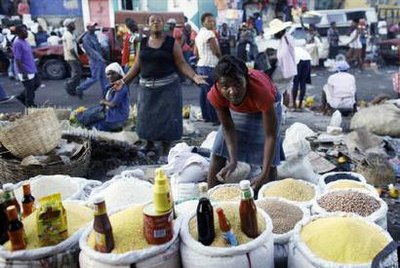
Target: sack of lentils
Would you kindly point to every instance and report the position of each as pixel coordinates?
(364, 204)
(350, 184)
(62, 255)
(285, 215)
(299, 191)
(339, 240)
(330, 177)
(130, 246)
(255, 253)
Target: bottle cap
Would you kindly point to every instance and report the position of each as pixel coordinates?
(98, 199)
(244, 184)
(219, 210)
(203, 187)
(8, 187)
(160, 177)
(26, 188)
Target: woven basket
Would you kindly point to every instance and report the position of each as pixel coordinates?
(12, 171)
(34, 134)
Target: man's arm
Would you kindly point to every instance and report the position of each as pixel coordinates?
(214, 47)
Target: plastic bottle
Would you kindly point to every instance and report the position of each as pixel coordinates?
(15, 232)
(161, 192)
(28, 201)
(3, 220)
(9, 197)
(248, 211)
(104, 241)
(226, 229)
(205, 217)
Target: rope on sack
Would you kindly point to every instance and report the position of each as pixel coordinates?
(386, 251)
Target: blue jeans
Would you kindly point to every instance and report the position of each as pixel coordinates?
(97, 73)
(207, 110)
(3, 94)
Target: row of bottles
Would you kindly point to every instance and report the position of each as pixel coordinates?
(11, 227)
(205, 217)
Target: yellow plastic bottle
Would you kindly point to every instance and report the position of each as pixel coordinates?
(161, 192)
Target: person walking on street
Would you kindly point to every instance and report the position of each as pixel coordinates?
(25, 67)
(224, 36)
(333, 39)
(303, 77)
(159, 102)
(208, 52)
(71, 56)
(130, 44)
(96, 61)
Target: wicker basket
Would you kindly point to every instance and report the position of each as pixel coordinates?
(34, 134)
(12, 171)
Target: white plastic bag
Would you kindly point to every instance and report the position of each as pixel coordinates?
(258, 253)
(71, 188)
(299, 168)
(336, 119)
(295, 143)
(300, 256)
(181, 191)
(163, 256)
(208, 143)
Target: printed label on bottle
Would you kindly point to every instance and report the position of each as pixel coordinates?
(247, 194)
(160, 233)
(230, 238)
(100, 240)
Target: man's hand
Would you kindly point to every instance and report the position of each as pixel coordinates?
(256, 184)
(226, 171)
(200, 79)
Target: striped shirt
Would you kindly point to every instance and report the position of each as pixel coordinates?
(206, 56)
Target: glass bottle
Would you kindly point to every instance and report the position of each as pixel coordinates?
(248, 211)
(205, 217)
(104, 239)
(15, 231)
(9, 197)
(28, 201)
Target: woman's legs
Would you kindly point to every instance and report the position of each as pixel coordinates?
(217, 163)
(295, 89)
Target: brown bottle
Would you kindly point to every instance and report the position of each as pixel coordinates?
(102, 227)
(9, 197)
(3, 220)
(248, 211)
(15, 230)
(28, 200)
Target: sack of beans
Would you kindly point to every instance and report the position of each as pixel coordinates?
(62, 255)
(285, 215)
(71, 188)
(299, 191)
(131, 248)
(225, 193)
(362, 203)
(255, 253)
(330, 177)
(350, 184)
(340, 240)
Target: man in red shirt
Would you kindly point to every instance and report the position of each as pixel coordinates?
(130, 44)
(248, 106)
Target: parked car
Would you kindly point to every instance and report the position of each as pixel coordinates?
(51, 61)
(389, 50)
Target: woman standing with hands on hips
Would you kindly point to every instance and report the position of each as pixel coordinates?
(160, 94)
(249, 108)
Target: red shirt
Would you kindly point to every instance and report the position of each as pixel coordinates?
(260, 96)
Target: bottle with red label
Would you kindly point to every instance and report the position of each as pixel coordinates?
(15, 230)
(28, 201)
(104, 239)
(226, 229)
(248, 211)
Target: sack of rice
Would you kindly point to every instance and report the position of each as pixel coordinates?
(330, 177)
(258, 252)
(299, 191)
(285, 215)
(70, 188)
(350, 184)
(122, 192)
(339, 240)
(362, 203)
(78, 216)
(130, 245)
(225, 193)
